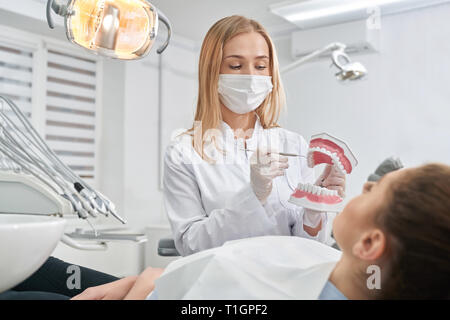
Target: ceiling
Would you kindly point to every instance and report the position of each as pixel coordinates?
(193, 18)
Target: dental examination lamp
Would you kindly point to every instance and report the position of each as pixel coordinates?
(119, 29)
(347, 70)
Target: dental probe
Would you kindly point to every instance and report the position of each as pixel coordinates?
(280, 153)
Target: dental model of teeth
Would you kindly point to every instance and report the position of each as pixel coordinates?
(316, 198)
(324, 148)
(316, 152)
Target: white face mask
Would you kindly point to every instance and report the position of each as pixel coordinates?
(243, 93)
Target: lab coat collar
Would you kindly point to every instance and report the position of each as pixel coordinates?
(228, 133)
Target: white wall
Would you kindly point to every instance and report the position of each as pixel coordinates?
(142, 163)
(112, 136)
(147, 131)
(402, 109)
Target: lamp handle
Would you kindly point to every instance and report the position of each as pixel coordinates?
(50, 22)
(59, 9)
(337, 54)
(162, 17)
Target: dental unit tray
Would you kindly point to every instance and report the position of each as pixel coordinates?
(324, 148)
(34, 181)
(113, 234)
(22, 193)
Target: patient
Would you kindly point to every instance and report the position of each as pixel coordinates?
(400, 223)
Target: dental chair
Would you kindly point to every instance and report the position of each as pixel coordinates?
(388, 165)
(166, 248)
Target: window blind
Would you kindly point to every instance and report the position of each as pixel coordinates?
(70, 111)
(16, 75)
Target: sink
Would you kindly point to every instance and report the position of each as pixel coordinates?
(26, 242)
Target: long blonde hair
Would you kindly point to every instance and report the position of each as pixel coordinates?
(208, 112)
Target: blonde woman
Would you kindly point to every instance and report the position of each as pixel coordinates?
(222, 179)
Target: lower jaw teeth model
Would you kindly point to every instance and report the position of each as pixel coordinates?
(324, 148)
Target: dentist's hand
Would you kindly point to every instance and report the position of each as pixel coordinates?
(332, 179)
(264, 167)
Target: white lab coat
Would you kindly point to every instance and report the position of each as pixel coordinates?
(270, 267)
(208, 204)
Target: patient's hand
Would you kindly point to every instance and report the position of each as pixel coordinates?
(116, 290)
(144, 284)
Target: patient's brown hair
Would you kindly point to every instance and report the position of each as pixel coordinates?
(417, 221)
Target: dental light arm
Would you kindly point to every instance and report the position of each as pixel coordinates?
(347, 70)
(329, 48)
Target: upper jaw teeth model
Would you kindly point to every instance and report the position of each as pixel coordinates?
(324, 148)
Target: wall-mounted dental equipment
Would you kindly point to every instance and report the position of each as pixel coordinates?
(25, 152)
(34, 181)
(120, 29)
(324, 148)
(347, 70)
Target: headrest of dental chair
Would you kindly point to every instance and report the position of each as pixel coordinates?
(388, 165)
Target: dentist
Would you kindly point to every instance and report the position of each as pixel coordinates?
(223, 179)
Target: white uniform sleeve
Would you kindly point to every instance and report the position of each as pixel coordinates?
(193, 229)
(308, 177)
